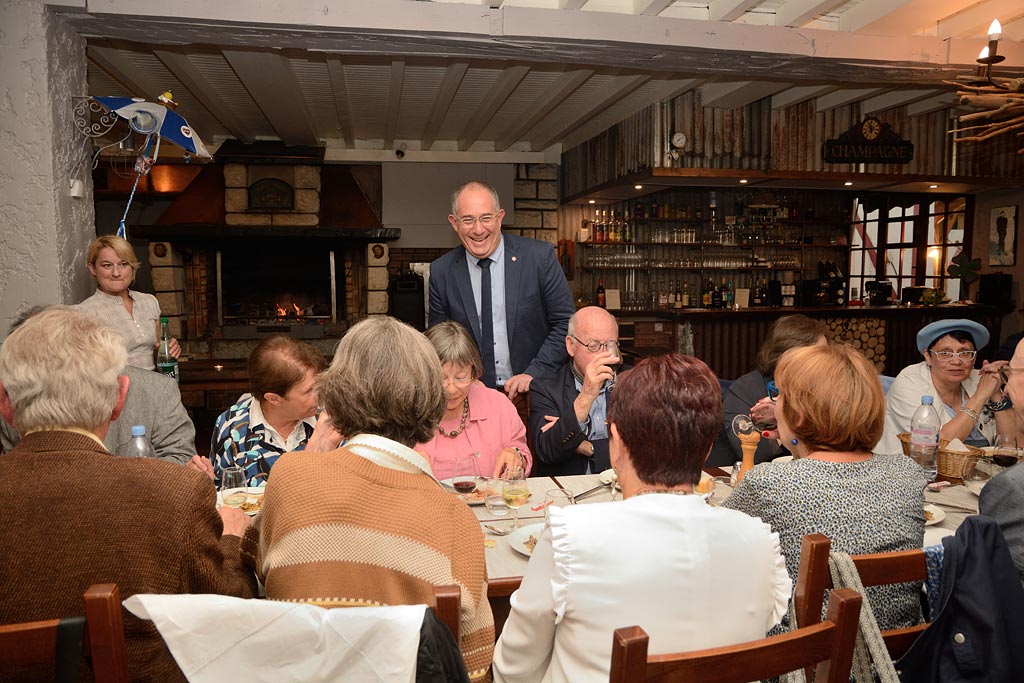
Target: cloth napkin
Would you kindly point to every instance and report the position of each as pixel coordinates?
(215, 638)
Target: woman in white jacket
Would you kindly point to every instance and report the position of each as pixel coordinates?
(657, 559)
(969, 402)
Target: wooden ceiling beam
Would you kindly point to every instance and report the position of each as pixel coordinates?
(271, 83)
(342, 107)
(736, 94)
(932, 104)
(178, 63)
(502, 89)
(841, 98)
(453, 76)
(800, 93)
(729, 10)
(395, 84)
(895, 98)
(798, 13)
(650, 8)
(544, 104)
(973, 22)
(620, 87)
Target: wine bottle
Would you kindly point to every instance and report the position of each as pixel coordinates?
(600, 294)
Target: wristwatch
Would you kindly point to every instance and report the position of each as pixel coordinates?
(999, 406)
(591, 454)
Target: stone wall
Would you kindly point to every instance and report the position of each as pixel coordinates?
(44, 232)
(536, 202)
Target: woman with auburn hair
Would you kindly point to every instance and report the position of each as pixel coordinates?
(750, 390)
(599, 567)
(834, 485)
(277, 416)
(367, 523)
(135, 315)
(476, 419)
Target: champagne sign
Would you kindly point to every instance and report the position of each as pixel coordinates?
(869, 142)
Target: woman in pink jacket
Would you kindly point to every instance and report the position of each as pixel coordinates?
(478, 421)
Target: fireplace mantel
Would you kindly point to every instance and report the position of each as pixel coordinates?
(198, 232)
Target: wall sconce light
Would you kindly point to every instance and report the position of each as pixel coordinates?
(992, 98)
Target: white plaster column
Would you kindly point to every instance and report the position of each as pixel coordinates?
(44, 231)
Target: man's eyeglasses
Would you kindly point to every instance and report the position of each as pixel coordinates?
(487, 219)
(594, 346)
(947, 356)
(773, 391)
(1005, 371)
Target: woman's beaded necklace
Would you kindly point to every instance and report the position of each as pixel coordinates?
(462, 423)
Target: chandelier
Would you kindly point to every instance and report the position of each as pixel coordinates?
(998, 103)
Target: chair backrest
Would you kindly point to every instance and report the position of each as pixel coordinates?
(36, 642)
(447, 607)
(828, 644)
(877, 569)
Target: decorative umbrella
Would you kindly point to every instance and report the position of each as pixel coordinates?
(155, 121)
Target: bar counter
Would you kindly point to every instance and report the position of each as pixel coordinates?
(728, 340)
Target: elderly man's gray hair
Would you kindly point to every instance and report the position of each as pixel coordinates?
(59, 369)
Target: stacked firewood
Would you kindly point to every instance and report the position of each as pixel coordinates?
(999, 105)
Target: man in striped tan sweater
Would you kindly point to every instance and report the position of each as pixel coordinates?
(367, 524)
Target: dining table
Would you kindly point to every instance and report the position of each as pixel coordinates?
(956, 501)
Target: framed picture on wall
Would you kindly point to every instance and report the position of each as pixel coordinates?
(1002, 236)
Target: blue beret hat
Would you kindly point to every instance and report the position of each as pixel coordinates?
(940, 328)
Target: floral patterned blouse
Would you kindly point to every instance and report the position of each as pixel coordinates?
(874, 506)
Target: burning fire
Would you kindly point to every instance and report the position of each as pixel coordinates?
(290, 308)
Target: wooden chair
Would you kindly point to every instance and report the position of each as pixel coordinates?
(878, 569)
(827, 644)
(35, 642)
(447, 606)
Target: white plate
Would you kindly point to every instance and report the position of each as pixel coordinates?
(517, 539)
(783, 458)
(937, 514)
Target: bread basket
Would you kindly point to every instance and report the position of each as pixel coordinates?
(951, 464)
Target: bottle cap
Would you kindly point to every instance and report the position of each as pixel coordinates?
(138, 430)
(927, 400)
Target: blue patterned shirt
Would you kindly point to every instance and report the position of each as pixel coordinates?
(254, 449)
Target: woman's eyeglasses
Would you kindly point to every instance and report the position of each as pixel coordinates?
(773, 391)
(947, 356)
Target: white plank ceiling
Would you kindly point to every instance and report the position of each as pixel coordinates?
(517, 79)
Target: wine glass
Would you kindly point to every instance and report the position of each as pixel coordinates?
(232, 486)
(612, 347)
(1006, 453)
(515, 493)
(464, 474)
(557, 498)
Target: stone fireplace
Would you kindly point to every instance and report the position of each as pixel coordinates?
(269, 239)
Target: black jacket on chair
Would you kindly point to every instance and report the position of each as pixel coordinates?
(978, 633)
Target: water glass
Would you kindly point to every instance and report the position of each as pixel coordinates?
(232, 486)
(557, 498)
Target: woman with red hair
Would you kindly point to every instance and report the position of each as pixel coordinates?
(650, 559)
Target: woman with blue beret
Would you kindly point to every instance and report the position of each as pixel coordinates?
(970, 402)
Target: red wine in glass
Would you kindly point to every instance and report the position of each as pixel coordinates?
(464, 486)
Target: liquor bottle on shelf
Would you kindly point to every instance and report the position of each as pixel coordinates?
(627, 229)
(716, 297)
(686, 295)
(655, 209)
(662, 296)
(599, 295)
(729, 295)
(706, 294)
(678, 303)
(599, 229)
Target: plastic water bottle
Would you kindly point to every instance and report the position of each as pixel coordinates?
(924, 437)
(139, 446)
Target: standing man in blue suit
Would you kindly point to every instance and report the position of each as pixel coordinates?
(509, 291)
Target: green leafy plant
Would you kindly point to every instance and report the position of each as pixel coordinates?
(966, 269)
